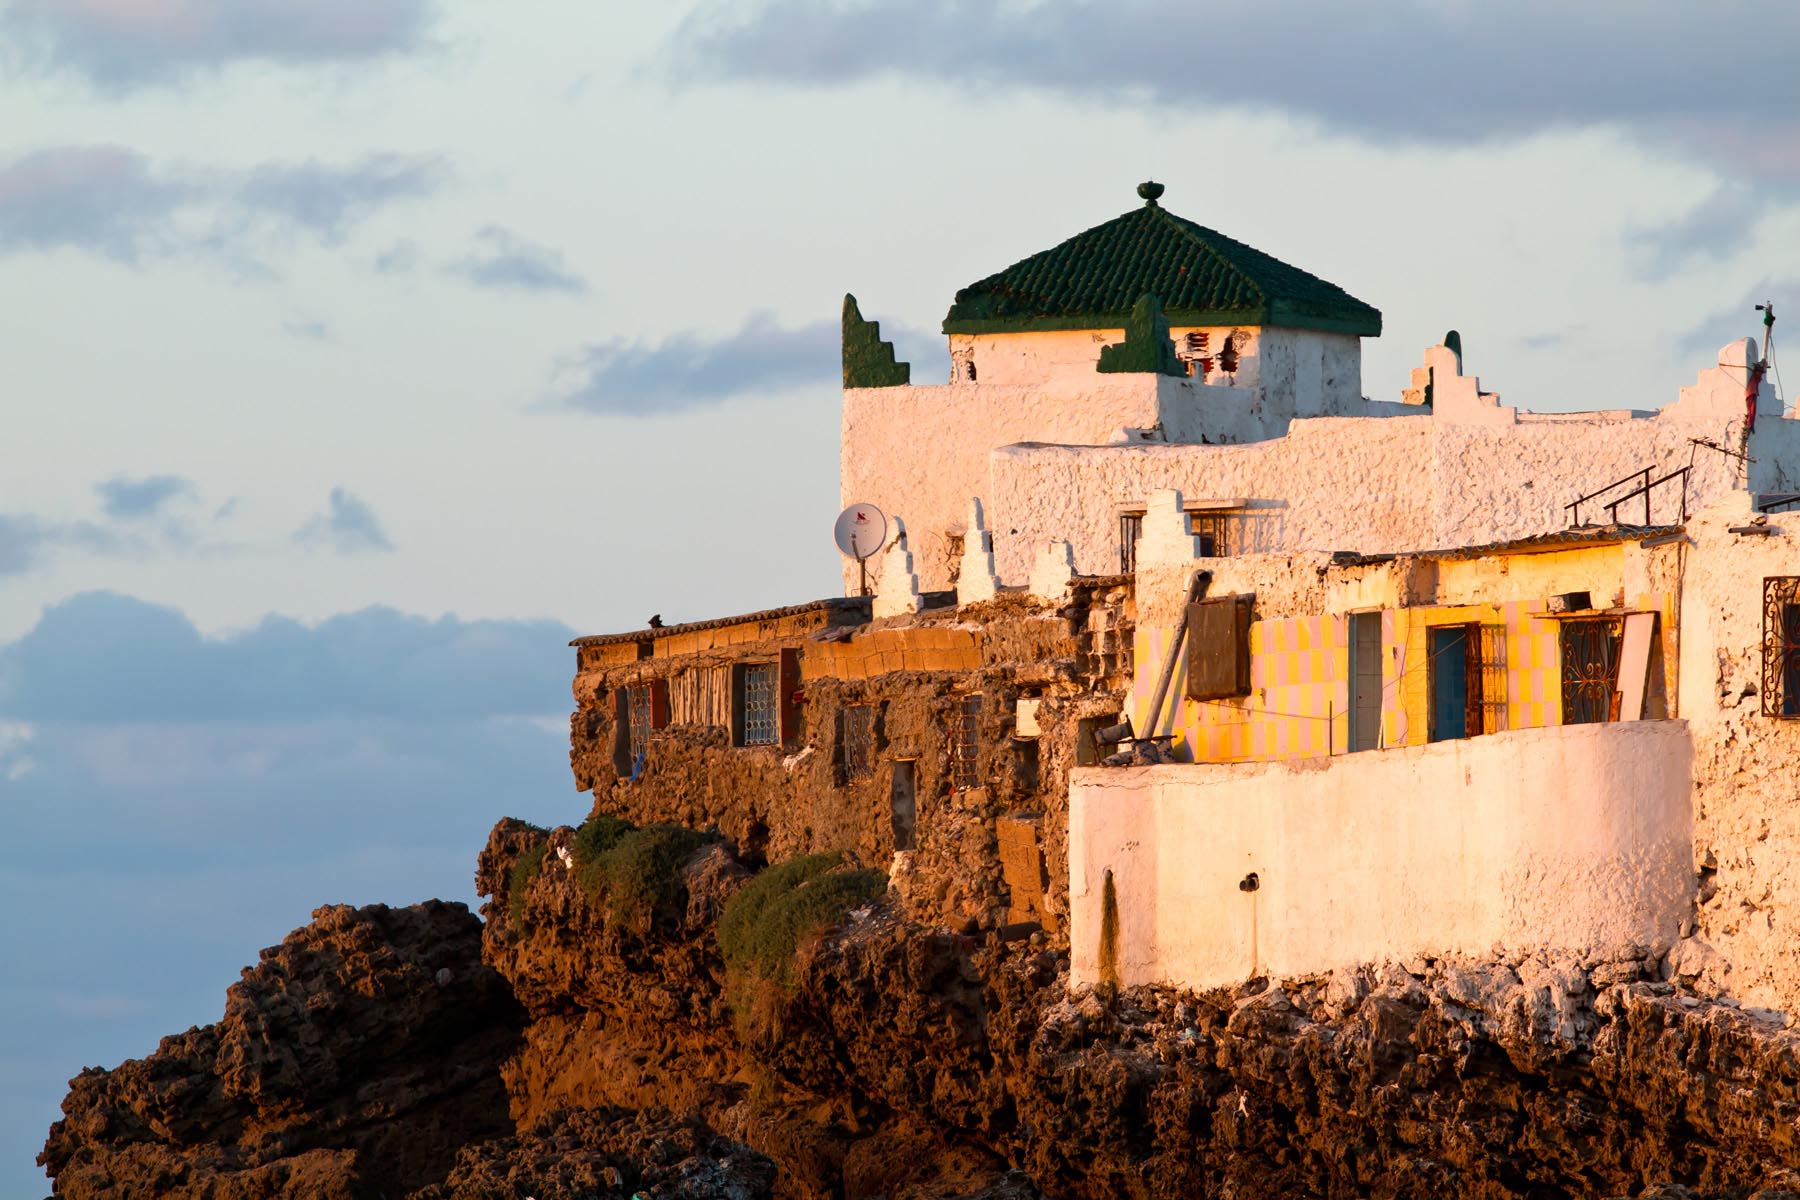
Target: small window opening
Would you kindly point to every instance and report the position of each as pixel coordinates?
(1131, 527)
(856, 738)
(1025, 766)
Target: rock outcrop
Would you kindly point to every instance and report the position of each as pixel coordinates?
(353, 1060)
(575, 1048)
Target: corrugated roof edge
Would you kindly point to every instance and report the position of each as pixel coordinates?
(838, 604)
(1597, 535)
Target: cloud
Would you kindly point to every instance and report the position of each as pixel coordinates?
(121, 45)
(123, 498)
(690, 370)
(113, 202)
(1416, 71)
(398, 259)
(310, 331)
(26, 540)
(503, 259)
(348, 526)
(1718, 227)
(100, 656)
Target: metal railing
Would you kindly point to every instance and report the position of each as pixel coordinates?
(1645, 487)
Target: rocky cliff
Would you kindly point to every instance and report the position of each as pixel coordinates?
(602, 1035)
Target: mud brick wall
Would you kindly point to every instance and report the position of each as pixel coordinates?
(913, 674)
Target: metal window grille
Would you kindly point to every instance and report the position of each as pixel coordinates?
(965, 750)
(762, 714)
(1491, 662)
(856, 748)
(641, 706)
(1131, 525)
(1590, 670)
(1217, 532)
(1781, 646)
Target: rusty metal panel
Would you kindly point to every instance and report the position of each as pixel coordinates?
(1218, 634)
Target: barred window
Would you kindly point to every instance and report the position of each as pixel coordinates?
(1131, 527)
(965, 746)
(1221, 532)
(855, 738)
(759, 712)
(1590, 670)
(642, 710)
(1781, 646)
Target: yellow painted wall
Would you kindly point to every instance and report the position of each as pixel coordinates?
(1299, 700)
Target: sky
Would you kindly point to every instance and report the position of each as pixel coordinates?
(359, 353)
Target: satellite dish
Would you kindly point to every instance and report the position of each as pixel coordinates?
(861, 531)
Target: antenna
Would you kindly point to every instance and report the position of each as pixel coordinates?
(861, 531)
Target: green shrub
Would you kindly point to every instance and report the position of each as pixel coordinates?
(593, 838)
(638, 875)
(765, 923)
(524, 870)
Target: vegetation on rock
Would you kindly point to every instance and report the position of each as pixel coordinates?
(765, 923)
(632, 872)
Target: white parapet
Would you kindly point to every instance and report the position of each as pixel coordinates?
(1053, 572)
(1574, 838)
(975, 580)
(897, 592)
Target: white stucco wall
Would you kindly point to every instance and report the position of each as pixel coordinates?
(1572, 839)
(1746, 764)
(1381, 485)
(921, 453)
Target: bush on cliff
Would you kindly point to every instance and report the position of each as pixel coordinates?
(632, 872)
(766, 922)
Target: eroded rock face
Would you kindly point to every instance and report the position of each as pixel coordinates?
(609, 1154)
(353, 1060)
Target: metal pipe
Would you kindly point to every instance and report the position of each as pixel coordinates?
(1196, 589)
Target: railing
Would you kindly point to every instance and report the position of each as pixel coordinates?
(1644, 489)
(1778, 502)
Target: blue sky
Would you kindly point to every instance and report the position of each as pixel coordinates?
(360, 352)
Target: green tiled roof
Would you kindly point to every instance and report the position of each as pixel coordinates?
(1201, 277)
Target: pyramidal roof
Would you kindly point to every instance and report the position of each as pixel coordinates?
(1200, 277)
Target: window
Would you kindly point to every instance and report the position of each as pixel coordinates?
(1590, 670)
(642, 708)
(965, 745)
(1467, 674)
(1131, 527)
(1220, 532)
(1025, 767)
(758, 704)
(1781, 646)
(855, 739)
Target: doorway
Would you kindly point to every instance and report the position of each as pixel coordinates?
(1365, 681)
(902, 803)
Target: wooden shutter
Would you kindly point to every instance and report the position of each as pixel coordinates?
(1218, 638)
(787, 684)
(1473, 710)
(659, 703)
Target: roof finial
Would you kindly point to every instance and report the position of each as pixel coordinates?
(1150, 190)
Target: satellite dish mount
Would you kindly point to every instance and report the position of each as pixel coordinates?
(861, 532)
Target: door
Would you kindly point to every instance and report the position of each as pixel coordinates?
(903, 806)
(1365, 681)
(1448, 646)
